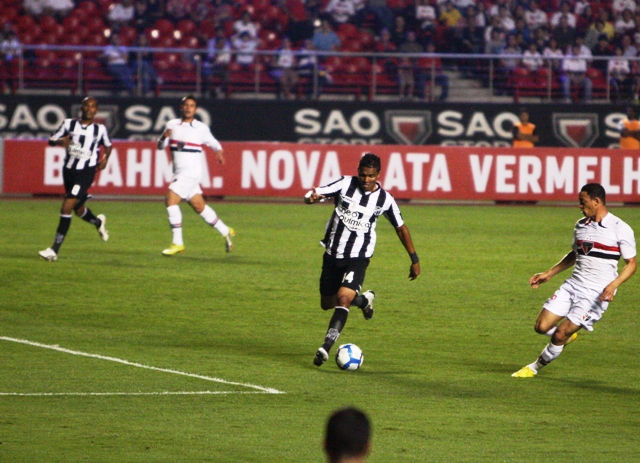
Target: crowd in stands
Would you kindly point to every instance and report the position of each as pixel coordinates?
(533, 40)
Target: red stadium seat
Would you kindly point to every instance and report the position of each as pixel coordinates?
(89, 8)
(128, 35)
(164, 26)
(96, 24)
(186, 26)
(48, 23)
(24, 23)
(71, 22)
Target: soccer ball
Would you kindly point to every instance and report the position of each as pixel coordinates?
(349, 357)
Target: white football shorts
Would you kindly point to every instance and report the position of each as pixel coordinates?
(577, 304)
(185, 187)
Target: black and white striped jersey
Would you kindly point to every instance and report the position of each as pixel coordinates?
(84, 149)
(351, 231)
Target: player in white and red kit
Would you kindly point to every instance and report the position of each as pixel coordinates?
(599, 241)
(185, 137)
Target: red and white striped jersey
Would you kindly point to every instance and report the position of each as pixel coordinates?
(185, 144)
(598, 247)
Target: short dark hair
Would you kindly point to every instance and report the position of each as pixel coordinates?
(348, 432)
(370, 160)
(595, 190)
(189, 97)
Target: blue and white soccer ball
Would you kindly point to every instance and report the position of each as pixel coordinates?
(349, 357)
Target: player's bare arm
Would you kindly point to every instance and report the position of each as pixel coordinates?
(567, 262)
(102, 163)
(62, 141)
(627, 271)
(313, 197)
(167, 133)
(220, 156)
(405, 238)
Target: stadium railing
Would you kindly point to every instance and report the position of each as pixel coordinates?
(363, 75)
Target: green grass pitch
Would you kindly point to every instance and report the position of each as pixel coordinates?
(438, 353)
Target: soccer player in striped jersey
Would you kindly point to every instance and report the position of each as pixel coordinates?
(82, 139)
(185, 137)
(600, 239)
(350, 241)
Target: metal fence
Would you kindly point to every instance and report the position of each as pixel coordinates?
(371, 76)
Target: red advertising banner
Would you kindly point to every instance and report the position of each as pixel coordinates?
(289, 169)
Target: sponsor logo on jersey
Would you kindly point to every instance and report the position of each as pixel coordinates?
(408, 127)
(579, 130)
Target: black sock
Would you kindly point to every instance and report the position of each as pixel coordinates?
(336, 324)
(89, 217)
(360, 301)
(61, 232)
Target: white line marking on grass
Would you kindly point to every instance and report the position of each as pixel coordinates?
(55, 394)
(265, 390)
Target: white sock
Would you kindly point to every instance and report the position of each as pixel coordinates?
(209, 216)
(175, 220)
(551, 331)
(549, 353)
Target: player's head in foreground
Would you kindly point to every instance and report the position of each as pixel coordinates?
(369, 171)
(347, 436)
(632, 115)
(188, 106)
(524, 115)
(88, 109)
(593, 201)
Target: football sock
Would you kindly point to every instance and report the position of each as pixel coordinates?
(360, 301)
(335, 327)
(551, 331)
(549, 353)
(209, 216)
(61, 232)
(175, 220)
(89, 217)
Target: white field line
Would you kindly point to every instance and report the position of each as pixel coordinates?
(265, 390)
(55, 394)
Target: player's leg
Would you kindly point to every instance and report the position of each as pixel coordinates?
(100, 221)
(199, 205)
(172, 202)
(552, 351)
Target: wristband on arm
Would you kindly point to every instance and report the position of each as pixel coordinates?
(414, 258)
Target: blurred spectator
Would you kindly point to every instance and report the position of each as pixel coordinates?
(35, 7)
(300, 25)
(507, 64)
(585, 19)
(602, 50)
(10, 47)
(222, 13)
(339, 11)
(618, 6)
(481, 18)
(541, 37)
(496, 25)
(121, 14)
(244, 24)
(381, 11)
(620, 76)
(203, 11)
(607, 25)
(535, 17)
(635, 76)
(532, 58)
(325, 38)
(580, 6)
(426, 15)
(494, 9)
(179, 9)
(628, 48)
(552, 54)
(216, 65)
(308, 66)
(522, 28)
(155, 8)
(592, 36)
(116, 57)
(565, 12)
(245, 46)
(450, 17)
(574, 69)
(385, 45)
(407, 66)
(142, 66)
(506, 21)
(399, 31)
(585, 52)
(142, 18)
(431, 74)
(283, 70)
(472, 39)
(60, 8)
(625, 22)
(496, 42)
(564, 34)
